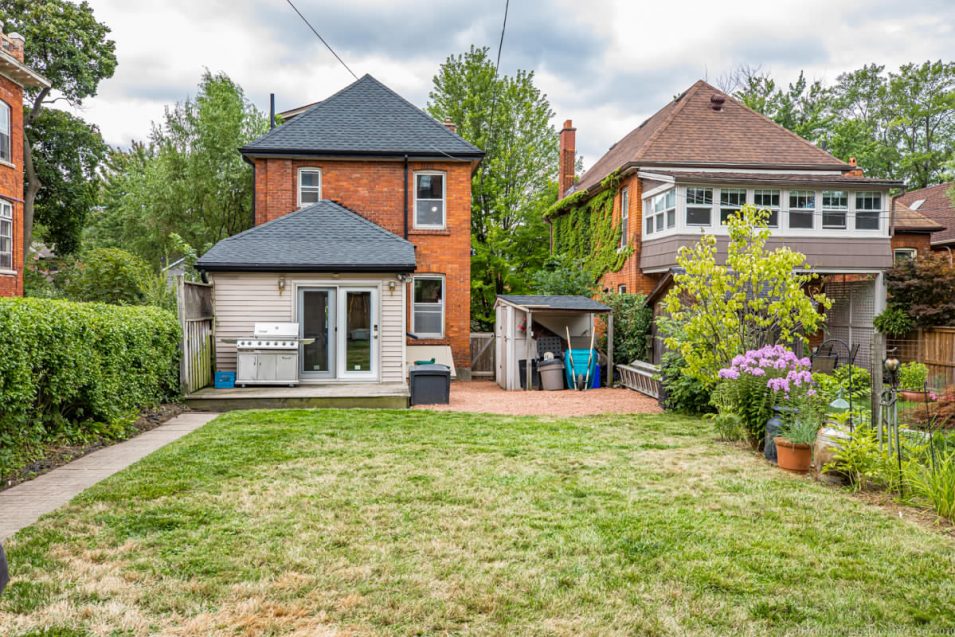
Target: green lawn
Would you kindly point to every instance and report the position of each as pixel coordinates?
(419, 523)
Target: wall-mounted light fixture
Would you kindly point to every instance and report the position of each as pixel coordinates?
(392, 285)
(281, 284)
(404, 278)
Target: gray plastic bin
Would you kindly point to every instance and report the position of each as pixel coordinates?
(552, 374)
(430, 384)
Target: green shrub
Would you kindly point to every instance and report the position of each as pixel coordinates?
(934, 482)
(894, 321)
(682, 392)
(829, 385)
(74, 370)
(913, 376)
(108, 275)
(632, 321)
(562, 276)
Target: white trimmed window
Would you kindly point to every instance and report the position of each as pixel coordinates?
(768, 200)
(622, 288)
(835, 206)
(6, 235)
(429, 200)
(428, 307)
(905, 254)
(624, 217)
(802, 209)
(6, 126)
(699, 206)
(731, 200)
(309, 186)
(661, 213)
(868, 210)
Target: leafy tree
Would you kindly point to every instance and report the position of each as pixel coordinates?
(757, 298)
(509, 118)
(632, 321)
(802, 107)
(188, 181)
(924, 289)
(563, 277)
(68, 153)
(108, 275)
(68, 46)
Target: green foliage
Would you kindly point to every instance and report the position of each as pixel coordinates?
(830, 386)
(189, 180)
(934, 482)
(728, 426)
(894, 321)
(563, 276)
(801, 430)
(750, 399)
(632, 322)
(860, 458)
(913, 376)
(510, 119)
(584, 229)
(67, 153)
(757, 298)
(682, 392)
(74, 370)
(924, 289)
(108, 275)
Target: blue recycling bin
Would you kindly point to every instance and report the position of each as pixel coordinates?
(579, 368)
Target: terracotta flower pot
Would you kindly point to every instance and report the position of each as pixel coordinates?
(791, 456)
(916, 396)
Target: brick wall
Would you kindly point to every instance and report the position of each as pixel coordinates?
(375, 189)
(11, 186)
(919, 241)
(630, 274)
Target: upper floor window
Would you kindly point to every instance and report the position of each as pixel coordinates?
(5, 134)
(835, 205)
(427, 314)
(868, 210)
(6, 235)
(429, 201)
(661, 213)
(309, 186)
(699, 206)
(768, 200)
(731, 200)
(802, 206)
(624, 217)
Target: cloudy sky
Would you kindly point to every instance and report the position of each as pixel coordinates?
(607, 64)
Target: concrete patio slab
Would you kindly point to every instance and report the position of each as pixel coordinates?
(22, 505)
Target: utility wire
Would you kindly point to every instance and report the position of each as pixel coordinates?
(497, 65)
(327, 45)
(500, 44)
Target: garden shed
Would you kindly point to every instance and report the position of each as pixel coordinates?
(528, 326)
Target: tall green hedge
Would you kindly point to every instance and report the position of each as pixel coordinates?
(66, 368)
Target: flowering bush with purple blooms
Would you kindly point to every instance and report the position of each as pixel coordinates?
(764, 378)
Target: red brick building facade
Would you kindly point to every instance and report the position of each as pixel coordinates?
(14, 76)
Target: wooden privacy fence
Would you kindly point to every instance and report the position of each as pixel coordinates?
(482, 354)
(935, 347)
(194, 301)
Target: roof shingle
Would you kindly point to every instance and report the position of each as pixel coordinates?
(937, 206)
(324, 237)
(364, 118)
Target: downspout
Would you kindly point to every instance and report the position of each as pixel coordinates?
(406, 197)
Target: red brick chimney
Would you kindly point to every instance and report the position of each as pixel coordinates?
(568, 157)
(450, 125)
(12, 43)
(856, 171)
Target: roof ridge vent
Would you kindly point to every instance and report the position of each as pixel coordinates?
(716, 101)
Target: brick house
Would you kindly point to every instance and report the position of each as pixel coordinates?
(703, 156)
(935, 204)
(362, 221)
(14, 77)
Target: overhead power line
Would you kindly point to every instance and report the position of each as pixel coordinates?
(327, 45)
(500, 44)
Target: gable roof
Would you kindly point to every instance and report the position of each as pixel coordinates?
(688, 132)
(907, 220)
(324, 237)
(933, 202)
(364, 118)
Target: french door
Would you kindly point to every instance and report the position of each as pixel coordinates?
(344, 323)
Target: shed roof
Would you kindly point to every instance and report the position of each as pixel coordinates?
(324, 237)
(562, 303)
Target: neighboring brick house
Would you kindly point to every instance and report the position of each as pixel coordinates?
(365, 151)
(935, 203)
(14, 77)
(912, 232)
(704, 155)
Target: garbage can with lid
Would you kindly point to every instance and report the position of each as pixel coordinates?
(430, 384)
(552, 374)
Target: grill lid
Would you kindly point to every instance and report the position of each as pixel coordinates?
(275, 330)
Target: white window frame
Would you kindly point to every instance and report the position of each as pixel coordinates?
(6, 215)
(660, 218)
(624, 217)
(299, 188)
(429, 306)
(773, 209)
(867, 213)
(835, 209)
(809, 210)
(904, 253)
(622, 288)
(697, 206)
(444, 200)
(731, 208)
(6, 137)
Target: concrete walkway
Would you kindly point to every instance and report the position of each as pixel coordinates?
(22, 505)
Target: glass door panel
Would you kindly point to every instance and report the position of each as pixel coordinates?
(360, 337)
(317, 319)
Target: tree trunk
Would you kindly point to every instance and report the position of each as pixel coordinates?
(33, 183)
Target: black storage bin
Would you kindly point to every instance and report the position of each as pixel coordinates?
(430, 384)
(535, 374)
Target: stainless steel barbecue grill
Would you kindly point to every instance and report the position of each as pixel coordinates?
(270, 356)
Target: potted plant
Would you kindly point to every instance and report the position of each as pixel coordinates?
(794, 444)
(912, 379)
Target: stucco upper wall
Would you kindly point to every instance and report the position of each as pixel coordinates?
(864, 255)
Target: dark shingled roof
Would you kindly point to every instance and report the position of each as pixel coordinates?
(364, 118)
(782, 179)
(933, 202)
(575, 303)
(324, 237)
